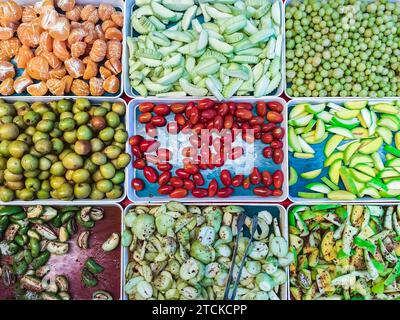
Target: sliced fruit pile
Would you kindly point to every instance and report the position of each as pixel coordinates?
(225, 122)
(345, 252)
(361, 148)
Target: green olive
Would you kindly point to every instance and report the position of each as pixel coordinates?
(32, 184)
(82, 190)
(57, 145)
(31, 118)
(40, 136)
(56, 182)
(118, 108)
(120, 136)
(107, 170)
(70, 137)
(56, 133)
(30, 131)
(25, 138)
(97, 176)
(57, 169)
(64, 105)
(12, 177)
(106, 105)
(31, 173)
(99, 111)
(84, 133)
(52, 157)
(45, 125)
(40, 107)
(7, 109)
(81, 175)
(104, 185)
(67, 124)
(43, 175)
(65, 191)
(46, 185)
(64, 153)
(112, 152)
(118, 178)
(96, 194)
(90, 166)
(14, 165)
(44, 146)
(49, 116)
(123, 160)
(96, 144)
(43, 194)
(82, 104)
(82, 147)
(19, 121)
(72, 161)
(98, 158)
(107, 134)
(115, 192)
(113, 119)
(6, 195)
(5, 150)
(29, 162)
(9, 131)
(81, 118)
(15, 185)
(25, 194)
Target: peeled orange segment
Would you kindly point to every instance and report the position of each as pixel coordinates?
(60, 29)
(96, 87)
(80, 88)
(118, 18)
(10, 11)
(38, 68)
(113, 34)
(6, 87)
(46, 41)
(98, 51)
(6, 70)
(10, 47)
(29, 14)
(74, 14)
(68, 83)
(23, 56)
(65, 5)
(108, 24)
(105, 73)
(75, 67)
(37, 89)
(58, 73)
(99, 32)
(60, 50)
(114, 65)
(21, 83)
(56, 86)
(29, 34)
(91, 70)
(114, 49)
(52, 59)
(76, 35)
(105, 11)
(48, 19)
(6, 33)
(111, 84)
(78, 49)
(89, 13)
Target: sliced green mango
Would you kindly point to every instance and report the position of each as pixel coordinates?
(329, 183)
(297, 110)
(350, 151)
(372, 146)
(293, 176)
(355, 105)
(305, 146)
(314, 109)
(370, 191)
(318, 187)
(386, 134)
(385, 108)
(359, 176)
(360, 158)
(360, 133)
(334, 156)
(376, 158)
(302, 121)
(333, 171)
(395, 162)
(388, 173)
(392, 150)
(311, 174)
(332, 144)
(310, 195)
(393, 184)
(341, 131)
(388, 123)
(348, 114)
(293, 140)
(325, 116)
(313, 140)
(310, 126)
(347, 180)
(319, 129)
(397, 140)
(348, 124)
(300, 155)
(365, 169)
(341, 195)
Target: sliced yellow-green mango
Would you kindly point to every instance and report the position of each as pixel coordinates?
(365, 169)
(332, 144)
(355, 105)
(350, 151)
(334, 156)
(359, 176)
(360, 133)
(347, 180)
(333, 171)
(386, 134)
(372, 146)
(341, 195)
(311, 174)
(385, 108)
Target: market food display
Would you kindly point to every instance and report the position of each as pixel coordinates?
(64, 149)
(344, 252)
(179, 252)
(219, 48)
(342, 48)
(60, 48)
(345, 150)
(212, 137)
(36, 242)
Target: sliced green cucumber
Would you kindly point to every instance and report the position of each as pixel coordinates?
(355, 105)
(293, 176)
(333, 171)
(318, 187)
(341, 195)
(310, 195)
(329, 183)
(311, 174)
(332, 144)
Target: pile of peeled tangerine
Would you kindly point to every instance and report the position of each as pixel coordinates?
(62, 48)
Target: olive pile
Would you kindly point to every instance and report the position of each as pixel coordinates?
(62, 149)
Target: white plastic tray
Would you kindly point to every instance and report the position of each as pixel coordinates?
(129, 7)
(296, 101)
(75, 201)
(131, 127)
(283, 222)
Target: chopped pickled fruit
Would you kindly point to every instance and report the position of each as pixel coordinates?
(6, 70)
(68, 83)
(6, 33)
(114, 49)
(75, 67)
(58, 73)
(80, 88)
(52, 59)
(78, 49)
(37, 89)
(60, 50)
(56, 86)
(6, 87)
(111, 84)
(113, 34)
(105, 73)
(38, 68)
(21, 83)
(46, 42)
(29, 14)
(118, 18)
(10, 47)
(98, 51)
(76, 35)
(24, 55)
(96, 87)
(114, 65)
(108, 24)
(105, 11)
(48, 19)
(65, 5)
(89, 13)
(91, 70)
(60, 29)
(10, 11)
(74, 14)
(29, 34)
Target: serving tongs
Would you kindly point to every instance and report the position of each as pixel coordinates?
(240, 226)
